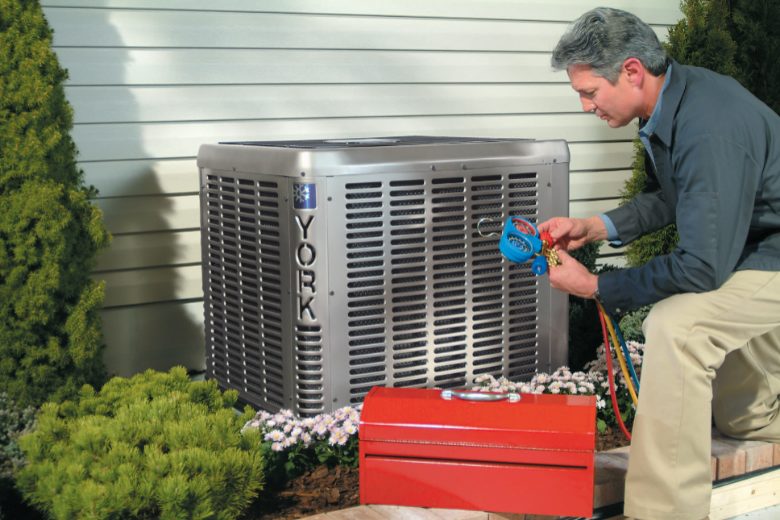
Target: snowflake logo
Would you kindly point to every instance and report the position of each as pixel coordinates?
(301, 193)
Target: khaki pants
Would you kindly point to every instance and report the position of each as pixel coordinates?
(711, 352)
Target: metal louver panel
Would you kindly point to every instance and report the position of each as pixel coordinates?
(330, 267)
(245, 323)
(430, 302)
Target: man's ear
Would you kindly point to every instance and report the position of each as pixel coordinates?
(634, 70)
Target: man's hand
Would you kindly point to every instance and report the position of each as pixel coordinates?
(572, 277)
(573, 233)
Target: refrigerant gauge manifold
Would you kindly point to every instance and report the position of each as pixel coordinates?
(521, 241)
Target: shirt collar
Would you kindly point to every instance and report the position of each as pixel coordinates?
(649, 127)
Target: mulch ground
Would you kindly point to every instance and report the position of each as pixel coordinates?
(322, 490)
(317, 491)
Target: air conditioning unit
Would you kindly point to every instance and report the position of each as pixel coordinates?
(333, 266)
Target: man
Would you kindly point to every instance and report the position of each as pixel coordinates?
(713, 336)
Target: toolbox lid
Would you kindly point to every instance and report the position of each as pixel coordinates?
(554, 422)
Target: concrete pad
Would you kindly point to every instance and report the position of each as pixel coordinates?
(459, 514)
(356, 513)
(506, 516)
(405, 513)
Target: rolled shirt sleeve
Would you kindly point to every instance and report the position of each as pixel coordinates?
(612, 234)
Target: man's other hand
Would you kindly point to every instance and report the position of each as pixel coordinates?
(573, 233)
(572, 277)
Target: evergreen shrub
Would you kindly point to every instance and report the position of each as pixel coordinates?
(14, 422)
(753, 26)
(50, 234)
(155, 446)
(631, 324)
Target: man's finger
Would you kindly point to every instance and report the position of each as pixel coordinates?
(562, 230)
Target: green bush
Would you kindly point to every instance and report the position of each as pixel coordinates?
(14, 423)
(50, 234)
(155, 446)
(661, 242)
(753, 25)
(631, 324)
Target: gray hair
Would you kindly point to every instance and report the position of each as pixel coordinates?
(604, 39)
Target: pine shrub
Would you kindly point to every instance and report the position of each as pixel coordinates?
(50, 234)
(701, 39)
(631, 324)
(661, 242)
(14, 422)
(753, 25)
(154, 446)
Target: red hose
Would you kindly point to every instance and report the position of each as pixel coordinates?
(610, 376)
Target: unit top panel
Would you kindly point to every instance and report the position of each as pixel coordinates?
(324, 158)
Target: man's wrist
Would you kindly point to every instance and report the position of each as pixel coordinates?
(596, 293)
(597, 230)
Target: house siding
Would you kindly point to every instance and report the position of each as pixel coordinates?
(152, 80)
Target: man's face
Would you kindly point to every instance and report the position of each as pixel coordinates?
(616, 104)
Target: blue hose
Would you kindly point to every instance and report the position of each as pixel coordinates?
(624, 348)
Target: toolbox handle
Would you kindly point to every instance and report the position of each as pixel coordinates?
(479, 396)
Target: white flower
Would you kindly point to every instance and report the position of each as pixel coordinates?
(348, 424)
(335, 436)
(600, 404)
(277, 446)
(275, 436)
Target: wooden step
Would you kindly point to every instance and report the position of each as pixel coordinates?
(731, 496)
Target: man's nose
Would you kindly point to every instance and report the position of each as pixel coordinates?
(588, 105)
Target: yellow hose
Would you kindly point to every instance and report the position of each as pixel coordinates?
(619, 353)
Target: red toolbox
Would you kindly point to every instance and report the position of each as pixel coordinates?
(532, 456)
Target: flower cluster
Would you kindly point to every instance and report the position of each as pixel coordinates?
(335, 434)
(283, 430)
(564, 381)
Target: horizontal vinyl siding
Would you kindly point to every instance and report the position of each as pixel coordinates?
(152, 80)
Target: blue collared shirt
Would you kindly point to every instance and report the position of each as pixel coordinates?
(646, 129)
